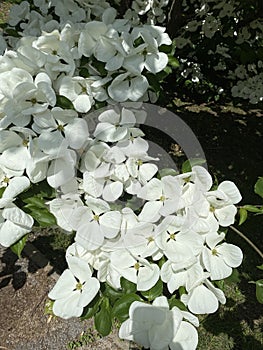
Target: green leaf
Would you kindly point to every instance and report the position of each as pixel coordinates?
(19, 246)
(154, 292)
(253, 209)
(12, 32)
(127, 286)
(154, 82)
(43, 217)
(233, 278)
(91, 309)
(167, 171)
(36, 202)
(173, 62)
(176, 302)
(242, 216)
(182, 290)
(259, 291)
(2, 190)
(84, 72)
(112, 293)
(64, 102)
(260, 267)
(102, 319)
(121, 307)
(189, 163)
(258, 188)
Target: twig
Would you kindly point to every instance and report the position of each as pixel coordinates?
(248, 241)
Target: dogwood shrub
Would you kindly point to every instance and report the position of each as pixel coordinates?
(150, 263)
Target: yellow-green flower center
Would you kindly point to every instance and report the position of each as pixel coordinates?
(96, 217)
(215, 252)
(139, 162)
(212, 209)
(173, 236)
(6, 180)
(162, 198)
(25, 142)
(137, 266)
(79, 286)
(60, 127)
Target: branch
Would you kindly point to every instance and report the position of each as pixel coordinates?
(248, 241)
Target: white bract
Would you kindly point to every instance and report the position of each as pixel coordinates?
(74, 289)
(158, 328)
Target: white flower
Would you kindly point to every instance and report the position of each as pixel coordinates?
(177, 244)
(29, 97)
(62, 169)
(164, 198)
(14, 224)
(74, 289)
(222, 202)
(63, 210)
(114, 126)
(135, 269)
(60, 128)
(219, 259)
(18, 13)
(95, 222)
(156, 327)
(203, 297)
(128, 86)
(78, 91)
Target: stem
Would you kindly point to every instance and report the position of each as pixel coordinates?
(248, 241)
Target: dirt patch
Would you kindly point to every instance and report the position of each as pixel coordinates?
(23, 293)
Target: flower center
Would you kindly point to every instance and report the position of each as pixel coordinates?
(162, 198)
(137, 266)
(79, 286)
(96, 217)
(173, 236)
(25, 142)
(139, 162)
(150, 239)
(212, 209)
(215, 252)
(33, 100)
(6, 180)
(60, 127)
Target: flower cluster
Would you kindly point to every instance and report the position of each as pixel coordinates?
(135, 229)
(219, 38)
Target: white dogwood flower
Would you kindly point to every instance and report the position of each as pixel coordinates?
(127, 86)
(135, 269)
(95, 222)
(78, 91)
(74, 289)
(222, 202)
(163, 196)
(219, 259)
(158, 328)
(14, 224)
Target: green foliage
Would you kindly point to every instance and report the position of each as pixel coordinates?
(189, 163)
(64, 102)
(87, 337)
(121, 307)
(103, 318)
(259, 291)
(259, 187)
(18, 247)
(154, 292)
